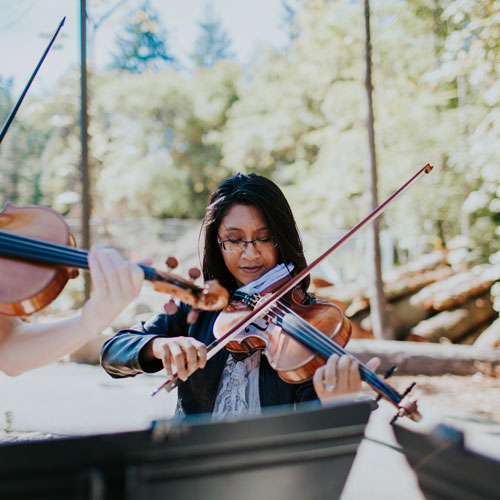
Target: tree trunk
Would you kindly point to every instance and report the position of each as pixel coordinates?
(84, 165)
(380, 323)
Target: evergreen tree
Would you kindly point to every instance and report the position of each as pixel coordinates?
(6, 102)
(290, 8)
(213, 43)
(143, 46)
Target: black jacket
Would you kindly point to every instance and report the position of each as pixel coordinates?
(120, 358)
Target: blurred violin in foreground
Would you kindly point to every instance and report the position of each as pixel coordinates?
(38, 256)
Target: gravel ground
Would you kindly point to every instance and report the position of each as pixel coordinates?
(477, 394)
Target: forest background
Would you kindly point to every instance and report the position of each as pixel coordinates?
(162, 137)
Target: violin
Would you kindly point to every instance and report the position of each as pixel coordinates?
(284, 333)
(242, 328)
(38, 256)
(297, 339)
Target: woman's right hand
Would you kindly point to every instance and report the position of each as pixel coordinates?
(180, 355)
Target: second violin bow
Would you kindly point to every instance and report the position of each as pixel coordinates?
(25, 91)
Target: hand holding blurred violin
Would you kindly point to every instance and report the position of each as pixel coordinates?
(25, 346)
(37, 259)
(115, 284)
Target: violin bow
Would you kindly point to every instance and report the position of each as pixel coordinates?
(25, 91)
(218, 344)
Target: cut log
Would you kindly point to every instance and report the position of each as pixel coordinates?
(356, 306)
(317, 282)
(454, 324)
(355, 295)
(407, 285)
(418, 266)
(345, 293)
(403, 315)
(457, 289)
(472, 336)
(413, 358)
(490, 337)
(358, 332)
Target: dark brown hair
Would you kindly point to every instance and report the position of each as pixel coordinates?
(251, 189)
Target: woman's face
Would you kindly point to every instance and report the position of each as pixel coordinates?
(245, 222)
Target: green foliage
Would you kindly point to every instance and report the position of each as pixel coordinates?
(472, 57)
(160, 142)
(143, 46)
(302, 120)
(160, 154)
(6, 102)
(213, 42)
(20, 152)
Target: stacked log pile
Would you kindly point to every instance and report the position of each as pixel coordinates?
(429, 301)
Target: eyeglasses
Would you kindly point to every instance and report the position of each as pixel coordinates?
(260, 244)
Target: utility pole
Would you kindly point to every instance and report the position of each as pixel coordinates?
(86, 208)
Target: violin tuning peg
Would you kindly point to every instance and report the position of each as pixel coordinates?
(410, 387)
(192, 316)
(387, 374)
(170, 307)
(171, 262)
(194, 273)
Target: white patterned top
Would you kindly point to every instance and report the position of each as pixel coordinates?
(238, 393)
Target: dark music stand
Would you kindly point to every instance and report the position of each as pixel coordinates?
(278, 455)
(445, 468)
(305, 454)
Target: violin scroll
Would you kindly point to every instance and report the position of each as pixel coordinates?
(210, 297)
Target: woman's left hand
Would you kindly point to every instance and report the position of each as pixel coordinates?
(339, 376)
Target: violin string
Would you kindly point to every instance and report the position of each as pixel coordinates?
(313, 340)
(32, 241)
(319, 337)
(38, 250)
(55, 253)
(324, 341)
(316, 339)
(320, 342)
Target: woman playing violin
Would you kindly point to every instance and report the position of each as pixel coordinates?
(248, 230)
(25, 346)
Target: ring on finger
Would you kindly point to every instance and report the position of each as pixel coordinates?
(329, 387)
